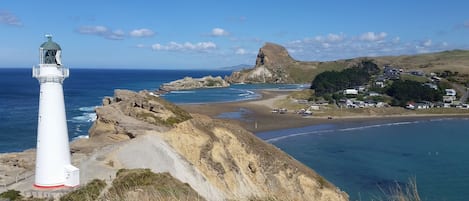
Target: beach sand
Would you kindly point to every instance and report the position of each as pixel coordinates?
(259, 116)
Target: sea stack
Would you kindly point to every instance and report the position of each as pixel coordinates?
(53, 167)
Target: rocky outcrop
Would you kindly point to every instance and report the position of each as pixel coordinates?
(221, 161)
(272, 65)
(188, 83)
(275, 65)
(127, 114)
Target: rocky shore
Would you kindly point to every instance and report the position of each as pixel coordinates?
(188, 83)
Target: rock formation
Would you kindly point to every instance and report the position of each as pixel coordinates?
(221, 161)
(188, 83)
(273, 65)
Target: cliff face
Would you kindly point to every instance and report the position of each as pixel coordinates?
(272, 65)
(219, 160)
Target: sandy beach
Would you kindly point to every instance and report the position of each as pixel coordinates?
(257, 114)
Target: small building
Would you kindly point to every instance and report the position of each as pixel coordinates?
(314, 107)
(417, 73)
(380, 84)
(351, 92)
(360, 89)
(450, 92)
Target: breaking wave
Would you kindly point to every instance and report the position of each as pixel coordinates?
(182, 92)
(320, 132)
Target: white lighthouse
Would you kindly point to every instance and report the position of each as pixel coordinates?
(53, 167)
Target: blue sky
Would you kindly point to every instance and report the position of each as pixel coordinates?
(210, 34)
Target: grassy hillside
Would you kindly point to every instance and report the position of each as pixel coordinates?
(454, 61)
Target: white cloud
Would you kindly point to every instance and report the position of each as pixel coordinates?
(219, 32)
(139, 33)
(427, 43)
(9, 19)
(93, 30)
(335, 37)
(102, 31)
(329, 47)
(240, 51)
(372, 36)
(184, 47)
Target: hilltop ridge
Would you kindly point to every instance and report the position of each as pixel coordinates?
(275, 65)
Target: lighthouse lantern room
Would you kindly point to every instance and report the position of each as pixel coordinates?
(53, 166)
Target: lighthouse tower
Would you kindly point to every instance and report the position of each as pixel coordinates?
(53, 167)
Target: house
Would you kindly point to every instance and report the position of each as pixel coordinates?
(360, 88)
(352, 92)
(314, 107)
(450, 92)
(422, 106)
(449, 99)
(380, 84)
(417, 73)
(391, 73)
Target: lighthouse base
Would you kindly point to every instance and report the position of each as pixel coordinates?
(71, 179)
(48, 187)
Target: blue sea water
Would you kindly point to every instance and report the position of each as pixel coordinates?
(85, 89)
(367, 159)
(360, 158)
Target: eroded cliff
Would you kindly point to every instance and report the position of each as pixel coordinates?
(218, 159)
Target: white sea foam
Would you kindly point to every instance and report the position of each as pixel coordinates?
(81, 137)
(87, 109)
(85, 117)
(321, 132)
(298, 134)
(247, 93)
(182, 92)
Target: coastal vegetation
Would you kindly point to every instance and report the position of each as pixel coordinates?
(332, 81)
(412, 91)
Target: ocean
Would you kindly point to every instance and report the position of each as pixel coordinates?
(360, 158)
(367, 159)
(85, 89)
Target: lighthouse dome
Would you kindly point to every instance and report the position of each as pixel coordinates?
(50, 45)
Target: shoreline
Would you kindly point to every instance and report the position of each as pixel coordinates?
(256, 115)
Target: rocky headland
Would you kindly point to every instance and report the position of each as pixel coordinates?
(220, 160)
(188, 83)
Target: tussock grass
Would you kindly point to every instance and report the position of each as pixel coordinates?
(142, 184)
(90, 191)
(409, 192)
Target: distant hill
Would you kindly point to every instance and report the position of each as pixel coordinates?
(275, 65)
(237, 67)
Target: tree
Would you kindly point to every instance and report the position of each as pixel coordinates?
(408, 90)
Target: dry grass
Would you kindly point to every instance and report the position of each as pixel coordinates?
(142, 184)
(409, 192)
(136, 185)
